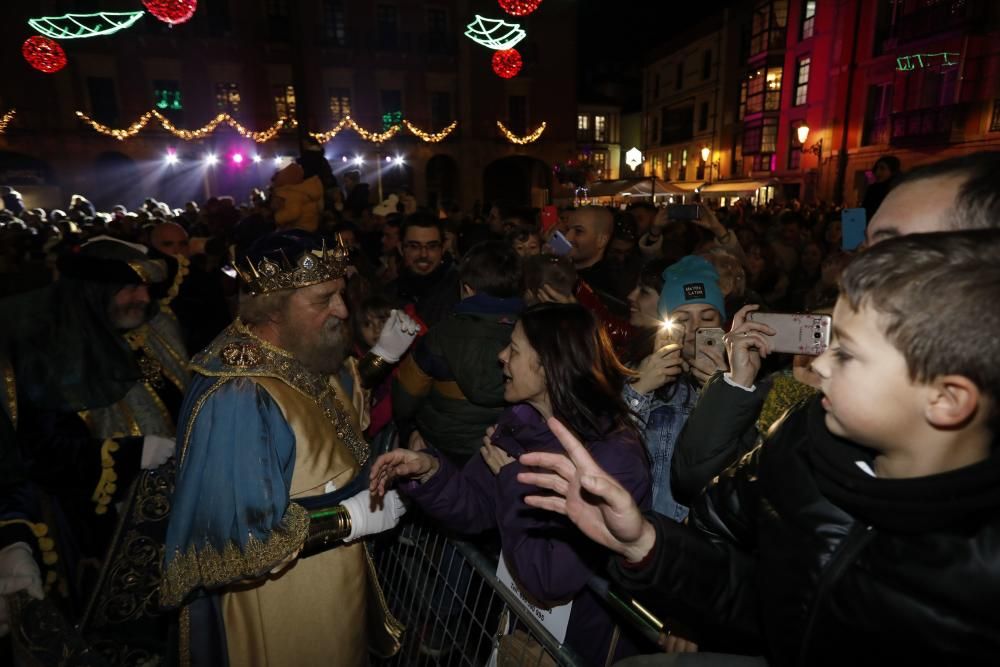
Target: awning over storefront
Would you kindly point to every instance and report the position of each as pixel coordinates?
(736, 187)
(632, 187)
(688, 187)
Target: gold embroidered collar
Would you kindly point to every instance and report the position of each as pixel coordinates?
(238, 352)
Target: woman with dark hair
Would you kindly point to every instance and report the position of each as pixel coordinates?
(559, 364)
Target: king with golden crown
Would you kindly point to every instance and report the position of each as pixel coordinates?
(264, 554)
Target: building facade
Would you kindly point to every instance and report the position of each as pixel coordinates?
(918, 79)
(317, 61)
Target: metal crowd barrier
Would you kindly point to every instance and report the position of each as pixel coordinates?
(457, 613)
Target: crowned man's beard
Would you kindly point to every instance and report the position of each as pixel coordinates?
(323, 352)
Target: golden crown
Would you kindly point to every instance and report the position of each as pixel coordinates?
(312, 267)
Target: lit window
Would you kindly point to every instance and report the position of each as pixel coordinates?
(583, 122)
(227, 97)
(284, 101)
(340, 103)
(600, 128)
(802, 81)
(808, 19)
(599, 160)
(167, 96)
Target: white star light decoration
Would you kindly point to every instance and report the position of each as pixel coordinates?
(494, 33)
(633, 158)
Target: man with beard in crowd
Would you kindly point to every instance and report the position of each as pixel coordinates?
(261, 549)
(94, 377)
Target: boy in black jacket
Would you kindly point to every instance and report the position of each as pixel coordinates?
(866, 530)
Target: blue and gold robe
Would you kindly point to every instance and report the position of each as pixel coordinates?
(258, 431)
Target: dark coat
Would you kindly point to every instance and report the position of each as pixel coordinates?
(433, 295)
(798, 553)
(549, 557)
(450, 387)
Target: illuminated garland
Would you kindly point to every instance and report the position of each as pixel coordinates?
(5, 120)
(526, 139)
(187, 135)
(430, 137)
(379, 137)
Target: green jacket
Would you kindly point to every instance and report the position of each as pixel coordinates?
(450, 387)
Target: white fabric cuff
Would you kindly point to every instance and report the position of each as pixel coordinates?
(728, 377)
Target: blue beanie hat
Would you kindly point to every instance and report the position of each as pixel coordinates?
(692, 279)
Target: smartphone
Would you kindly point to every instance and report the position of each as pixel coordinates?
(668, 334)
(798, 333)
(559, 245)
(709, 337)
(684, 212)
(853, 222)
(550, 217)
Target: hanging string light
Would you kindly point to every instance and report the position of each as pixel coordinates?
(519, 7)
(6, 118)
(526, 139)
(379, 137)
(431, 137)
(507, 63)
(43, 54)
(187, 135)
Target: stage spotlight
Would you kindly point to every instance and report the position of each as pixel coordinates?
(358, 160)
(211, 159)
(237, 158)
(277, 160)
(399, 160)
(256, 159)
(171, 157)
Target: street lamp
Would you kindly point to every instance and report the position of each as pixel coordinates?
(816, 149)
(706, 153)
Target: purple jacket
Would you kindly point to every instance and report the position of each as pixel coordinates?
(546, 553)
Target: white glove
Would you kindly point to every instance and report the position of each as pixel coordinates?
(156, 450)
(365, 521)
(397, 334)
(18, 572)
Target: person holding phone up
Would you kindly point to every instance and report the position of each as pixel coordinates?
(670, 370)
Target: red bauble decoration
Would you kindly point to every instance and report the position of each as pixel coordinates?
(519, 7)
(43, 54)
(171, 11)
(507, 63)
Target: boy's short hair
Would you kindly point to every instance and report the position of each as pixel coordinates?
(938, 294)
(558, 272)
(493, 268)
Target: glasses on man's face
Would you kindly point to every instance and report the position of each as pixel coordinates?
(415, 247)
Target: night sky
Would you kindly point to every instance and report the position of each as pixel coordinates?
(615, 37)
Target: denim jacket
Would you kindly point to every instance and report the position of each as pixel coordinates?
(661, 423)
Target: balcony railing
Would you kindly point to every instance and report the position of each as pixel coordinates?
(923, 127)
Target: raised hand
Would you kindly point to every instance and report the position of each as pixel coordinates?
(747, 345)
(581, 490)
(660, 368)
